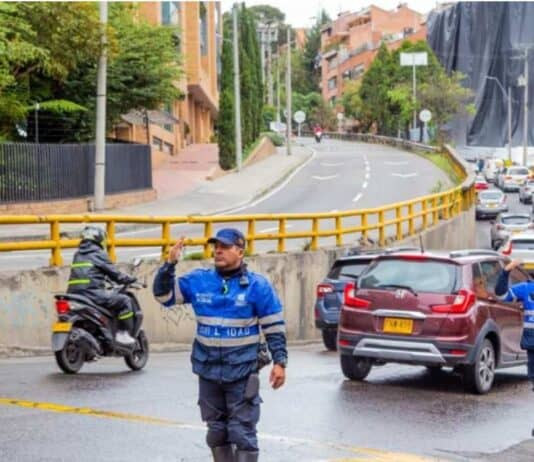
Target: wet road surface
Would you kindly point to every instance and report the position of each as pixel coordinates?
(400, 413)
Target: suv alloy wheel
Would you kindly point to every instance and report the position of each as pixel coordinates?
(479, 376)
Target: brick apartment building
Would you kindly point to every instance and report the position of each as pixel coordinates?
(350, 43)
(191, 119)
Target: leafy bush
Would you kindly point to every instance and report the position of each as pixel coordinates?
(276, 138)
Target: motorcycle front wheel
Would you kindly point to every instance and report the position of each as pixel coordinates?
(138, 358)
(71, 358)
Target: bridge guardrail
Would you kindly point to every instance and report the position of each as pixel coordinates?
(396, 221)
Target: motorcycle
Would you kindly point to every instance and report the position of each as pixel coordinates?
(85, 331)
(318, 136)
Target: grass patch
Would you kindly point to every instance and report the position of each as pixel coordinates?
(441, 161)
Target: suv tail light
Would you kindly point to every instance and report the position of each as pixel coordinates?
(507, 177)
(508, 249)
(62, 306)
(462, 302)
(500, 227)
(323, 289)
(350, 299)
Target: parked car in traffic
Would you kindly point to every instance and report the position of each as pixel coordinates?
(506, 224)
(525, 191)
(329, 292)
(490, 203)
(434, 309)
(520, 246)
(481, 183)
(513, 177)
(491, 168)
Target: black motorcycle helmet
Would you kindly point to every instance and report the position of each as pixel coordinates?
(94, 234)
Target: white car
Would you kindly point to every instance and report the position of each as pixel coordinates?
(512, 178)
(491, 168)
(520, 247)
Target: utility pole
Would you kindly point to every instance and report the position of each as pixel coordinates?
(509, 124)
(269, 69)
(100, 144)
(525, 120)
(278, 87)
(37, 107)
(288, 93)
(414, 98)
(237, 95)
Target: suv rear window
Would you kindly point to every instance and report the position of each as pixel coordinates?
(347, 270)
(515, 220)
(419, 275)
(523, 244)
(518, 171)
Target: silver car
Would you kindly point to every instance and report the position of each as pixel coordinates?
(521, 247)
(490, 203)
(507, 224)
(513, 177)
(525, 191)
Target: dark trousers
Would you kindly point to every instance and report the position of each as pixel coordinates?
(119, 304)
(231, 418)
(530, 365)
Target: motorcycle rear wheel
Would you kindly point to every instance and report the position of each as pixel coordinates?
(71, 358)
(138, 358)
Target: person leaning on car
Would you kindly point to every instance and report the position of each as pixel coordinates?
(520, 292)
(232, 306)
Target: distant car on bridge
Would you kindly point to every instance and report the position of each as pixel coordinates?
(432, 309)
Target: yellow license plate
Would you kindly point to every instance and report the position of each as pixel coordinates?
(398, 326)
(492, 206)
(528, 266)
(62, 327)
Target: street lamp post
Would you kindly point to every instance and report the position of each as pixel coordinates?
(509, 104)
(37, 107)
(288, 93)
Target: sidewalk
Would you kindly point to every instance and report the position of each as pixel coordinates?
(187, 193)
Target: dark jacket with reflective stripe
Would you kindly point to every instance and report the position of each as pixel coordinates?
(90, 267)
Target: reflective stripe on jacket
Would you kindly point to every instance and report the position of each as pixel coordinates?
(230, 315)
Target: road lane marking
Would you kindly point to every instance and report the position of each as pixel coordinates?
(357, 198)
(322, 178)
(404, 175)
(371, 455)
(367, 175)
(365, 184)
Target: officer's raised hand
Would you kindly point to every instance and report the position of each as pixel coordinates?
(278, 376)
(513, 264)
(176, 251)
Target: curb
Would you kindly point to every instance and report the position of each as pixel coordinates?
(136, 227)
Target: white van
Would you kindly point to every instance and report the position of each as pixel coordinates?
(491, 167)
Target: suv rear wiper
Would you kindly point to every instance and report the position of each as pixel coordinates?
(397, 286)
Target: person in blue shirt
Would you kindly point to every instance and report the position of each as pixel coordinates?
(233, 307)
(520, 292)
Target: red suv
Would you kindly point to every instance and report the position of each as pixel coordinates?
(432, 309)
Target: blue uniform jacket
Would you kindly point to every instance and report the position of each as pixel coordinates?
(521, 292)
(229, 317)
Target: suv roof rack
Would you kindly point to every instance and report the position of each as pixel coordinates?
(473, 252)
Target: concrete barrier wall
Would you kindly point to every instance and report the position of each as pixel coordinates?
(27, 306)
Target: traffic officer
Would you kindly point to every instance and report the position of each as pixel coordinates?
(521, 292)
(232, 307)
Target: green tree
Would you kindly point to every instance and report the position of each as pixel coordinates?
(310, 56)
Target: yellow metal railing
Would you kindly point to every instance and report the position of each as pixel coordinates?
(400, 220)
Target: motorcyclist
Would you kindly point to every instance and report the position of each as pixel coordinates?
(90, 268)
(318, 132)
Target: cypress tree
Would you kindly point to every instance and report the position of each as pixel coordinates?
(226, 120)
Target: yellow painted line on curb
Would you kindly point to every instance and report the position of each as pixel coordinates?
(365, 454)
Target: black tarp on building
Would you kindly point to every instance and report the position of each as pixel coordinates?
(483, 39)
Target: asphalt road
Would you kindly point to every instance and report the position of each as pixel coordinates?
(400, 413)
(342, 176)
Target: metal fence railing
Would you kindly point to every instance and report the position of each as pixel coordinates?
(43, 172)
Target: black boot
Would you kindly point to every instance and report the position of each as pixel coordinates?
(223, 453)
(247, 456)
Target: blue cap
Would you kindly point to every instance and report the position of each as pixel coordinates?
(229, 236)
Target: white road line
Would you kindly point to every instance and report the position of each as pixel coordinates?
(357, 198)
(275, 190)
(274, 228)
(322, 178)
(364, 185)
(404, 175)
(334, 211)
(367, 175)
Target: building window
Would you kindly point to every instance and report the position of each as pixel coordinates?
(332, 63)
(170, 13)
(168, 148)
(357, 71)
(203, 24)
(168, 109)
(332, 83)
(157, 143)
(332, 101)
